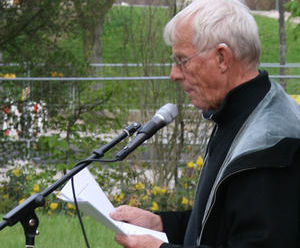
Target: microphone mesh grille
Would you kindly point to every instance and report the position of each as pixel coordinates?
(169, 111)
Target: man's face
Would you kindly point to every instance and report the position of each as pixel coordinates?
(200, 76)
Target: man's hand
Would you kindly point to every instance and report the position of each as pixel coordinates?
(138, 241)
(138, 217)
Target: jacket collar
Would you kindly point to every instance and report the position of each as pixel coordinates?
(240, 100)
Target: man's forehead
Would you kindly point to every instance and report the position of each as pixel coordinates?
(183, 44)
(182, 47)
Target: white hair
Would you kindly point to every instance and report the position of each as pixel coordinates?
(219, 21)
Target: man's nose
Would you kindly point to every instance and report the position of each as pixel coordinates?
(176, 73)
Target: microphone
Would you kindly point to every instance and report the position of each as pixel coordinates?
(128, 131)
(162, 117)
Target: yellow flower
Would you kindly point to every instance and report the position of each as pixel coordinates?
(163, 191)
(185, 185)
(184, 200)
(116, 197)
(53, 74)
(133, 202)
(70, 206)
(154, 206)
(5, 196)
(199, 162)
(25, 93)
(27, 178)
(16, 172)
(10, 75)
(158, 190)
(60, 74)
(139, 186)
(119, 197)
(36, 188)
(145, 198)
(53, 205)
(296, 98)
(190, 164)
(21, 201)
(70, 213)
(154, 190)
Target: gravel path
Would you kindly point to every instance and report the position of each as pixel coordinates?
(274, 14)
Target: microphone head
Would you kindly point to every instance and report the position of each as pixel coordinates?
(168, 112)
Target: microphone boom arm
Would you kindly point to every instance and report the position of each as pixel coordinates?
(25, 211)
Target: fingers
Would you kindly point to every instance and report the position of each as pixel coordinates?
(126, 241)
(138, 241)
(137, 217)
(122, 240)
(123, 213)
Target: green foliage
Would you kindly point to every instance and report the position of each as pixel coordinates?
(134, 187)
(55, 146)
(134, 35)
(122, 186)
(30, 34)
(23, 181)
(294, 8)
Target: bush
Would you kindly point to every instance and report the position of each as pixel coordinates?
(24, 181)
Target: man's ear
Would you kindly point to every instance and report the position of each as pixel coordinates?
(224, 56)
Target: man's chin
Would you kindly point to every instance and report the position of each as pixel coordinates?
(204, 106)
(200, 105)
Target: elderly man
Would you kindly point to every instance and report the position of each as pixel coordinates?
(249, 189)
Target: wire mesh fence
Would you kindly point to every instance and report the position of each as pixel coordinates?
(50, 123)
(99, 106)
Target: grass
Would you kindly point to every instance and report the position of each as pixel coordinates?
(268, 30)
(123, 23)
(60, 231)
(134, 35)
(269, 35)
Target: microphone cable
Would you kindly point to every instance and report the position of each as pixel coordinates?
(128, 131)
(78, 214)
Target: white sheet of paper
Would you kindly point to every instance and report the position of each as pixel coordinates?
(93, 201)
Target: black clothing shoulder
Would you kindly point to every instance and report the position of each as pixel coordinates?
(244, 214)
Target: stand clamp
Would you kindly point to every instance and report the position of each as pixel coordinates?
(26, 215)
(30, 223)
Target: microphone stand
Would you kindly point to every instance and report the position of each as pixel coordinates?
(25, 212)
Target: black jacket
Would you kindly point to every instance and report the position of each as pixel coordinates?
(254, 200)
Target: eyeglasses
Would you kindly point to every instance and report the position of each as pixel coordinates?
(180, 62)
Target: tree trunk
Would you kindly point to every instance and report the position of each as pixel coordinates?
(96, 46)
(96, 56)
(282, 38)
(91, 16)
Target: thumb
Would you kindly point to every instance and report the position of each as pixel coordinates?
(121, 213)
